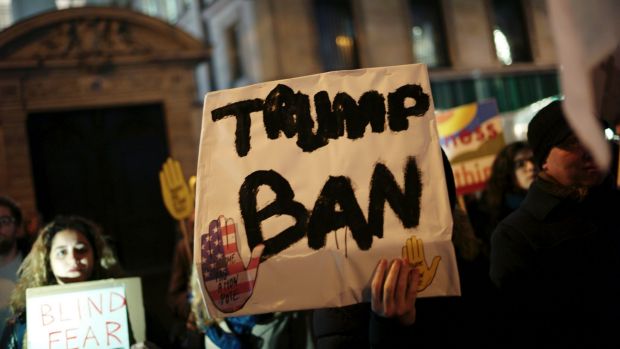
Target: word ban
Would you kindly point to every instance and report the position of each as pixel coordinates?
(325, 216)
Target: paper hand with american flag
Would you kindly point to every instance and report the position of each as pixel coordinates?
(228, 282)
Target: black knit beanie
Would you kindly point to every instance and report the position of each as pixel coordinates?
(546, 130)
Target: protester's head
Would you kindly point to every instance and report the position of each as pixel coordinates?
(523, 166)
(514, 167)
(10, 221)
(68, 249)
(512, 172)
(557, 150)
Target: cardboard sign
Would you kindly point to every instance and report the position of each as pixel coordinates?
(304, 184)
(471, 135)
(587, 39)
(85, 315)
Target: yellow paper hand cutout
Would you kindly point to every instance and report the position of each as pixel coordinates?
(178, 198)
(192, 184)
(414, 252)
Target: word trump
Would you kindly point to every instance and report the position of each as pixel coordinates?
(288, 112)
(94, 319)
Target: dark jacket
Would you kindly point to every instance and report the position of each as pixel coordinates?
(356, 326)
(556, 262)
(14, 331)
(439, 324)
(345, 327)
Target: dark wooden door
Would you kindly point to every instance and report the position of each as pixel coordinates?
(103, 164)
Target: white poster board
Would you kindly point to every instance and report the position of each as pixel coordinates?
(304, 184)
(85, 315)
(587, 39)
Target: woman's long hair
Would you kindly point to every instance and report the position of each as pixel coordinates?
(36, 270)
(503, 180)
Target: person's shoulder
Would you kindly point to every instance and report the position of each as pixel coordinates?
(509, 230)
(515, 224)
(9, 270)
(514, 238)
(511, 249)
(14, 331)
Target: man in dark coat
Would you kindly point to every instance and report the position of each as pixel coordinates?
(556, 259)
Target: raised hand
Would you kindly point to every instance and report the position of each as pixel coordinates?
(413, 251)
(228, 282)
(394, 294)
(178, 198)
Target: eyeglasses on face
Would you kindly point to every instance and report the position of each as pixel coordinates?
(6, 220)
(522, 162)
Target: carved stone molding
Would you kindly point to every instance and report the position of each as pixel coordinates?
(92, 58)
(95, 37)
(91, 37)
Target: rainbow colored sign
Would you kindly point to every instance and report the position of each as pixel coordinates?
(471, 135)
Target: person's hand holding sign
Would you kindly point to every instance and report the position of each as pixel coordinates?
(395, 288)
(228, 282)
(413, 251)
(394, 294)
(178, 198)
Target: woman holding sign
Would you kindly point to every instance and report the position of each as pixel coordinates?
(69, 249)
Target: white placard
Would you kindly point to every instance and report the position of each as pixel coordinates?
(83, 319)
(85, 315)
(304, 184)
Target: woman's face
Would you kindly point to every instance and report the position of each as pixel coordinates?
(71, 257)
(524, 168)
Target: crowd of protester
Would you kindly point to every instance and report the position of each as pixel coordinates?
(537, 254)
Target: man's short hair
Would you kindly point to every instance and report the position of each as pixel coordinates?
(16, 212)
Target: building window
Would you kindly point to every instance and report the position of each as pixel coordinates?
(428, 33)
(63, 4)
(509, 32)
(167, 10)
(233, 56)
(5, 13)
(336, 34)
(207, 3)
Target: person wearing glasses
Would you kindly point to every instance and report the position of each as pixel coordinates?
(556, 259)
(10, 255)
(512, 173)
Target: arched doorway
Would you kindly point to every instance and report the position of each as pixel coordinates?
(92, 101)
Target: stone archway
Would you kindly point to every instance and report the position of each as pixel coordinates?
(93, 57)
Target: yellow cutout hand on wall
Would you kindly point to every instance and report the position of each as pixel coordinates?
(178, 198)
(414, 252)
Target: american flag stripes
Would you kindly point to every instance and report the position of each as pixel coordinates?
(228, 282)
